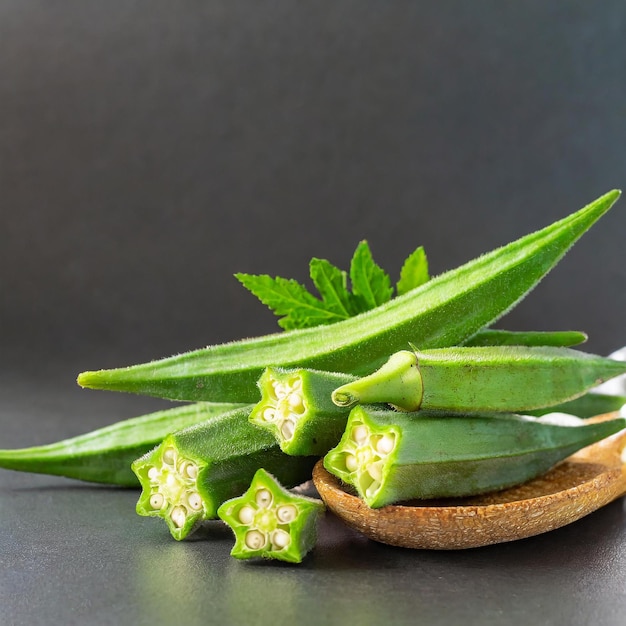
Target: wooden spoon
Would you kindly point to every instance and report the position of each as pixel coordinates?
(581, 484)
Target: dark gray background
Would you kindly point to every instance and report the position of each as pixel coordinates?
(149, 150)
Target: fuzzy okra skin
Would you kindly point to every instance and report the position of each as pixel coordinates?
(271, 522)
(193, 471)
(504, 378)
(586, 406)
(393, 457)
(306, 410)
(556, 338)
(296, 407)
(445, 311)
(105, 455)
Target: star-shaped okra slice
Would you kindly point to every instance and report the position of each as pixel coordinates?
(271, 522)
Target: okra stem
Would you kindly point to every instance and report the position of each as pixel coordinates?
(445, 311)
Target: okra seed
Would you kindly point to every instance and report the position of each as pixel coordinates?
(269, 415)
(156, 501)
(375, 470)
(280, 539)
(287, 429)
(385, 444)
(246, 514)
(255, 540)
(195, 501)
(179, 515)
(286, 513)
(360, 433)
(281, 390)
(153, 473)
(370, 492)
(351, 462)
(263, 498)
(295, 400)
(192, 471)
(169, 456)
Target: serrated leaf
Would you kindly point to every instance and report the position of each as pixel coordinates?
(371, 285)
(288, 299)
(332, 284)
(414, 272)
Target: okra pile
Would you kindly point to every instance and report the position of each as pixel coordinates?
(402, 391)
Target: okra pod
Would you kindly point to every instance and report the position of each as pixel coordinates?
(105, 455)
(393, 457)
(193, 471)
(271, 522)
(444, 311)
(556, 339)
(296, 407)
(306, 410)
(588, 405)
(504, 378)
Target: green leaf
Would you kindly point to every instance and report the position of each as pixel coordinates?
(414, 272)
(332, 283)
(371, 285)
(288, 299)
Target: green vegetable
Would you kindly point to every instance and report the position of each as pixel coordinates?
(557, 339)
(371, 287)
(296, 407)
(306, 410)
(105, 455)
(270, 522)
(589, 405)
(392, 457)
(193, 471)
(507, 378)
(444, 311)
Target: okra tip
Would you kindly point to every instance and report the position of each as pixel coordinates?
(105, 379)
(89, 380)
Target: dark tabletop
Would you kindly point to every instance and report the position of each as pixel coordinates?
(149, 150)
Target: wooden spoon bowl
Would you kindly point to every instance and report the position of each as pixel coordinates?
(581, 484)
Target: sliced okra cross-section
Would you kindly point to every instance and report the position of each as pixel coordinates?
(188, 476)
(271, 522)
(296, 407)
(391, 457)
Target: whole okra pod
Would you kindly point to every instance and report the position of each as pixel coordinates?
(444, 311)
(105, 455)
(506, 378)
(392, 457)
(192, 472)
